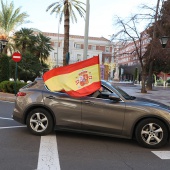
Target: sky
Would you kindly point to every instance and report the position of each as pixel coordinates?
(101, 18)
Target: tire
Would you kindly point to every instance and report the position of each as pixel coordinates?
(151, 133)
(39, 122)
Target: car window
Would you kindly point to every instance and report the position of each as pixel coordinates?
(103, 92)
(120, 91)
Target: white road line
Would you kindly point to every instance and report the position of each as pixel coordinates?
(162, 154)
(6, 101)
(6, 118)
(10, 127)
(48, 154)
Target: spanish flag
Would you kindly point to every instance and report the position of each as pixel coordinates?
(77, 80)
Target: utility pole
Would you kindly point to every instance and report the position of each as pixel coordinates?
(86, 30)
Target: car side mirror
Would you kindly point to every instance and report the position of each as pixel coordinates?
(113, 97)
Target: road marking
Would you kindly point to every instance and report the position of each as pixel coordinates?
(6, 118)
(6, 101)
(162, 154)
(48, 154)
(9, 127)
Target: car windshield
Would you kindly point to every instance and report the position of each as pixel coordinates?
(123, 93)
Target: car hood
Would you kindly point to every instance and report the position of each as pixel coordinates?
(152, 103)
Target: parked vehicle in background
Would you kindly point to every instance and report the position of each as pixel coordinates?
(110, 111)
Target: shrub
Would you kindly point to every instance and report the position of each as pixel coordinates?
(160, 81)
(9, 86)
(168, 81)
(4, 68)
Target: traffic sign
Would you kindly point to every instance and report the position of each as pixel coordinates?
(16, 56)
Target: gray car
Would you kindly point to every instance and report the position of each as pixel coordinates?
(109, 111)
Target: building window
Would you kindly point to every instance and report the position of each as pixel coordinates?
(107, 49)
(106, 60)
(78, 46)
(93, 47)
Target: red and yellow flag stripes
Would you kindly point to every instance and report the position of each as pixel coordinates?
(79, 79)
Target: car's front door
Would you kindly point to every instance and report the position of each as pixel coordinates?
(103, 115)
(67, 110)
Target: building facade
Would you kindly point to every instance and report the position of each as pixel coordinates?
(96, 46)
(127, 59)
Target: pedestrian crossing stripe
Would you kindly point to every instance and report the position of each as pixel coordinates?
(162, 154)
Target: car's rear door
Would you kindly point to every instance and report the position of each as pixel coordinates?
(67, 110)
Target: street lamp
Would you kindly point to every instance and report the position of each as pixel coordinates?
(2, 44)
(164, 40)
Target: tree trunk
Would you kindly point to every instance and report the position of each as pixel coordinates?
(150, 77)
(66, 33)
(143, 89)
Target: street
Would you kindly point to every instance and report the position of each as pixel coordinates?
(21, 150)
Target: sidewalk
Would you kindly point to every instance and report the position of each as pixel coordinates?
(161, 94)
(7, 97)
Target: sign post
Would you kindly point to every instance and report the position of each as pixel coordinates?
(16, 57)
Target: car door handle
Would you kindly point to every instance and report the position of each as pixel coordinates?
(50, 97)
(88, 102)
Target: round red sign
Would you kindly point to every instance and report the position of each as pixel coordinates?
(16, 57)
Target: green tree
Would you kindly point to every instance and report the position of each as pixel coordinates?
(24, 40)
(66, 8)
(10, 19)
(42, 47)
(37, 44)
(28, 68)
(4, 68)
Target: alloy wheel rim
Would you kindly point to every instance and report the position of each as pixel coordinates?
(152, 134)
(38, 122)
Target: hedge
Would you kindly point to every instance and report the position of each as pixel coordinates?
(9, 86)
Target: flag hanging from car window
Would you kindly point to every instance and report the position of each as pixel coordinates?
(78, 79)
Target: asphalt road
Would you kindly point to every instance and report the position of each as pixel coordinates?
(20, 150)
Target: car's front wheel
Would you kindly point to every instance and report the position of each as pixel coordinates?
(39, 122)
(151, 133)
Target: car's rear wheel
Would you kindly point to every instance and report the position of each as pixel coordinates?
(151, 133)
(39, 122)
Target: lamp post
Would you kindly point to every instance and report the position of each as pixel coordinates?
(86, 33)
(164, 41)
(3, 43)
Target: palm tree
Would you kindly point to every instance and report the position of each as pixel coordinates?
(66, 8)
(43, 47)
(24, 40)
(10, 18)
